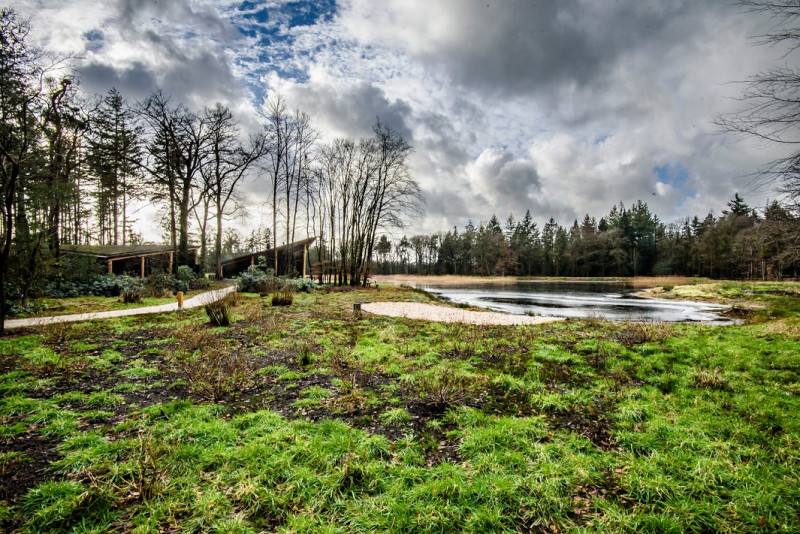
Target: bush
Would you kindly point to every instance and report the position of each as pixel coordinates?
(186, 274)
(62, 289)
(200, 283)
(104, 285)
(132, 290)
(161, 284)
(284, 297)
(253, 280)
(218, 312)
(302, 285)
(213, 368)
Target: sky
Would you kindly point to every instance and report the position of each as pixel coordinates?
(560, 107)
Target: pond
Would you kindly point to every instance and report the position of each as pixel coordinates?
(609, 300)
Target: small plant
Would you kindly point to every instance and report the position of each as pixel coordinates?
(56, 333)
(218, 313)
(305, 353)
(284, 297)
(636, 333)
(131, 290)
(446, 384)
(396, 417)
(212, 367)
(711, 380)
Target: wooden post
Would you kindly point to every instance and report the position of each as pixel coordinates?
(180, 299)
(142, 266)
(110, 267)
(170, 261)
(305, 258)
(252, 260)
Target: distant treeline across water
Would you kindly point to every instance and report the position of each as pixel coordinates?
(740, 243)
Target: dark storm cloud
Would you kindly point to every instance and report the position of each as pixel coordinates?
(135, 82)
(194, 71)
(525, 47)
(351, 109)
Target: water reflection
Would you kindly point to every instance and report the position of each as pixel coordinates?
(610, 300)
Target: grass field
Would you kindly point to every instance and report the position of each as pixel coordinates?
(308, 418)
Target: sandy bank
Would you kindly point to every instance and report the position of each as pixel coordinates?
(444, 314)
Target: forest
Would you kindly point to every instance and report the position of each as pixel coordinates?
(740, 243)
(75, 167)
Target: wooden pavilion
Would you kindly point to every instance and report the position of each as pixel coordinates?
(135, 260)
(292, 258)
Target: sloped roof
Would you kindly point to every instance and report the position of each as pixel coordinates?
(296, 244)
(115, 251)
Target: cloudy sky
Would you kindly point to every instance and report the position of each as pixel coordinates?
(561, 107)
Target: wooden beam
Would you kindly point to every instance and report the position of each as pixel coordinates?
(110, 267)
(142, 266)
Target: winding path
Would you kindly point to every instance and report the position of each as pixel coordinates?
(198, 300)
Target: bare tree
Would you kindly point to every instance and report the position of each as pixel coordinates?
(771, 99)
(228, 163)
(364, 187)
(279, 138)
(177, 149)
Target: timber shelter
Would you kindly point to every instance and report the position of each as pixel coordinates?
(292, 259)
(133, 260)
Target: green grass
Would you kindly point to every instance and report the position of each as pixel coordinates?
(409, 426)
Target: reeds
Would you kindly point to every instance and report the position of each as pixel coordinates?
(661, 281)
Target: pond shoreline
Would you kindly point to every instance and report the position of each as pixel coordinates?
(610, 298)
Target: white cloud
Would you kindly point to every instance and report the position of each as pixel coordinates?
(561, 107)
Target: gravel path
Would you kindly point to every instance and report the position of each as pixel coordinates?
(198, 300)
(444, 314)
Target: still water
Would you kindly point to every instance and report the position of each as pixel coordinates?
(609, 300)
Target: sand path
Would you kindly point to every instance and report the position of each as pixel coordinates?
(198, 300)
(444, 314)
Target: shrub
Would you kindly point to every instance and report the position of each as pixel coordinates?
(132, 290)
(284, 297)
(104, 285)
(200, 283)
(186, 274)
(212, 367)
(302, 285)
(256, 277)
(61, 289)
(445, 384)
(218, 312)
(159, 284)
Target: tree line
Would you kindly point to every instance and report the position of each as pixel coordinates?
(73, 166)
(740, 243)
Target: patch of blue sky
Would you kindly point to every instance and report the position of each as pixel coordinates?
(276, 31)
(677, 176)
(95, 40)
